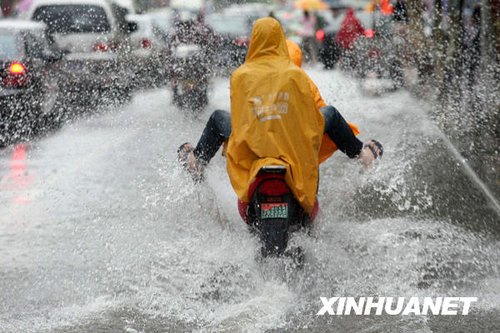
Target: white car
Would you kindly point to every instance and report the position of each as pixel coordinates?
(94, 36)
(149, 50)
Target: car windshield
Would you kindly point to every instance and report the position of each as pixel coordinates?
(228, 25)
(73, 18)
(144, 25)
(8, 46)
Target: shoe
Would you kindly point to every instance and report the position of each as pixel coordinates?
(185, 156)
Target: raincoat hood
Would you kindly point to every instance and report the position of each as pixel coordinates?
(267, 40)
(295, 52)
(274, 117)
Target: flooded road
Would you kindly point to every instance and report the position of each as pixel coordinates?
(101, 231)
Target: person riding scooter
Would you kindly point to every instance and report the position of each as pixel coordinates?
(192, 46)
(277, 118)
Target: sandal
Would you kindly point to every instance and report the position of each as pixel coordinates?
(377, 144)
(188, 161)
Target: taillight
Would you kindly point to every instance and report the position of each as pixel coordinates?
(17, 68)
(17, 75)
(273, 187)
(320, 35)
(146, 43)
(369, 33)
(241, 41)
(100, 47)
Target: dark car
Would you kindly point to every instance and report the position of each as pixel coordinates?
(234, 32)
(29, 72)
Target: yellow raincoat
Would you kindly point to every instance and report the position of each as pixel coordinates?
(328, 147)
(274, 117)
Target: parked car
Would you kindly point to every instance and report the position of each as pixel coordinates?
(234, 32)
(149, 50)
(94, 36)
(29, 76)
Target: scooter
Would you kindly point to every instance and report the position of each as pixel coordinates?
(189, 78)
(274, 213)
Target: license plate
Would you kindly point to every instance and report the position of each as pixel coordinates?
(75, 66)
(188, 85)
(274, 211)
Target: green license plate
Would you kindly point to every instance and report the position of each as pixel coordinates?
(274, 211)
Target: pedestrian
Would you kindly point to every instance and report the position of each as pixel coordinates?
(309, 23)
(350, 30)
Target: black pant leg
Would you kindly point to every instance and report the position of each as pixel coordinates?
(217, 130)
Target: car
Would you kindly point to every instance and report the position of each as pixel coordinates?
(94, 36)
(251, 11)
(234, 32)
(29, 76)
(149, 50)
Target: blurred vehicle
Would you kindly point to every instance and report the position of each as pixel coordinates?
(189, 77)
(149, 50)
(93, 35)
(162, 20)
(251, 11)
(331, 51)
(191, 5)
(290, 21)
(29, 76)
(234, 33)
(192, 45)
(128, 5)
(375, 52)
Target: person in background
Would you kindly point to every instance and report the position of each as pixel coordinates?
(350, 29)
(309, 23)
(400, 13)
